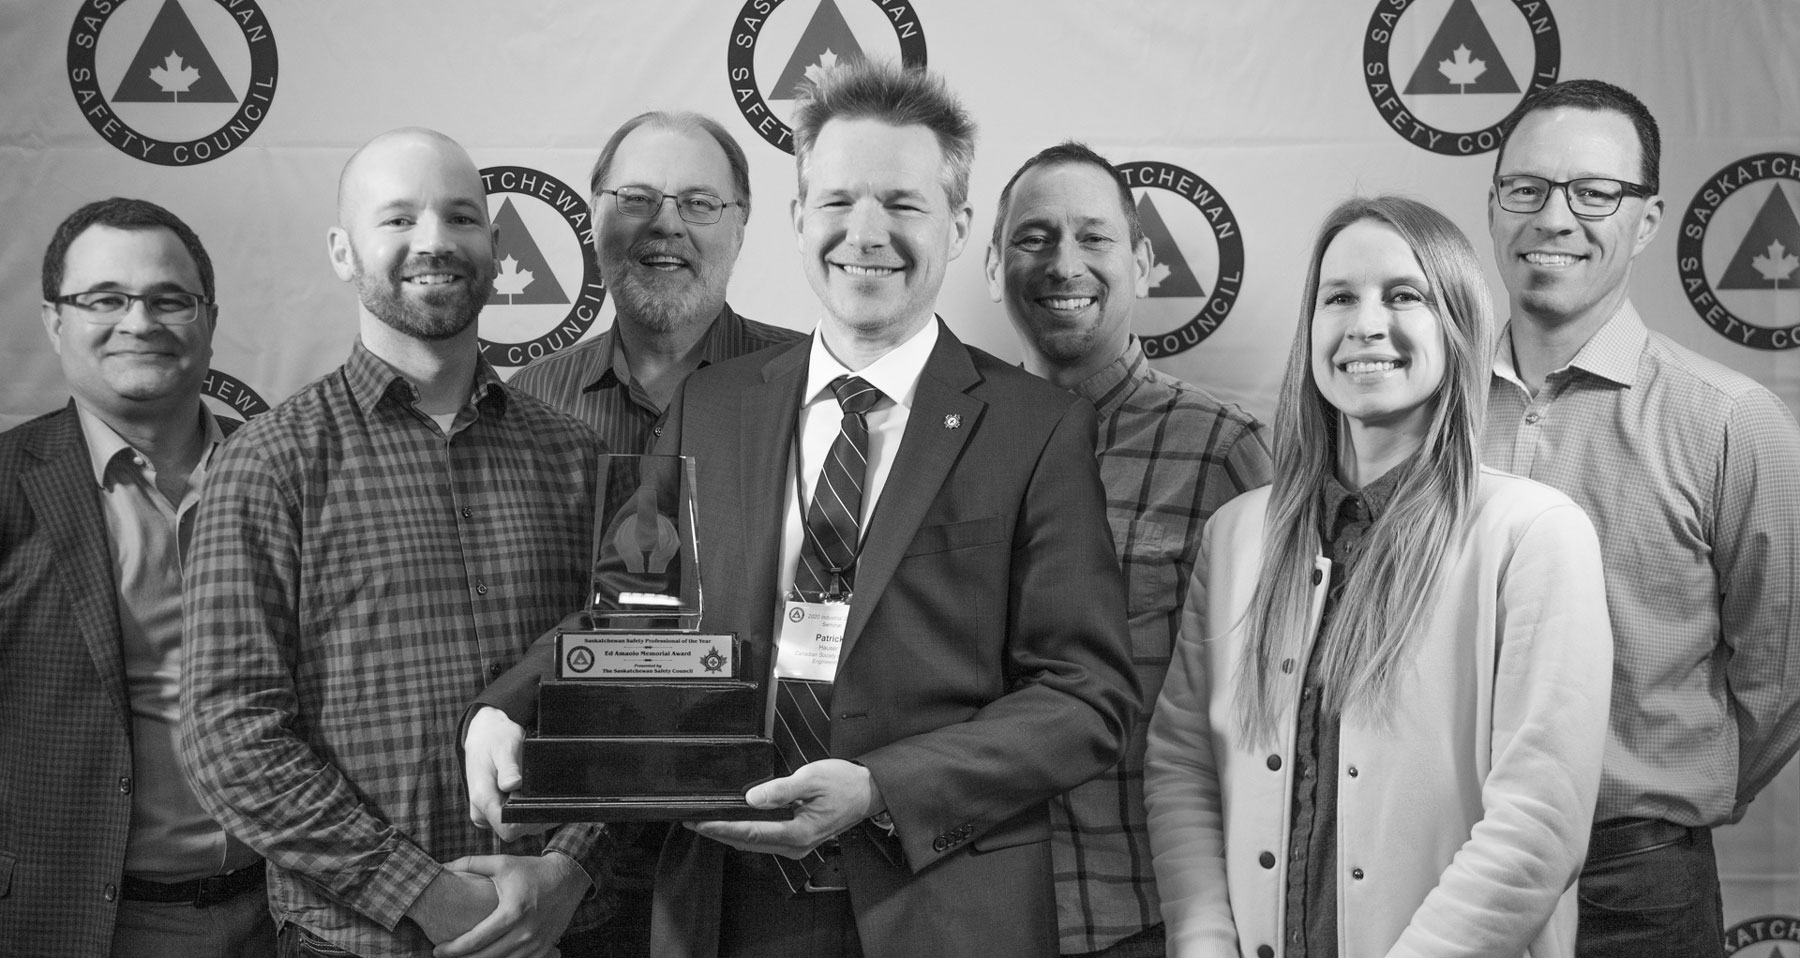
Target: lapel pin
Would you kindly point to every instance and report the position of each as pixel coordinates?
(953, 421)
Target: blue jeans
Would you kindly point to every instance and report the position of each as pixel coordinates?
(1657, 903)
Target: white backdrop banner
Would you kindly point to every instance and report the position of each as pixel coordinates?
(1237, 125)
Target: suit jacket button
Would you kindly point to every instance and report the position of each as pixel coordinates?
(1318, 577)
(1266, 859)
(125, 784)
(938, 844)
(110, 892)
(1264, 951)
(1274, 763)
(1356, 873)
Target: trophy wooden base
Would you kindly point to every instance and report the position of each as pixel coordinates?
(593, 779)
(529, 808)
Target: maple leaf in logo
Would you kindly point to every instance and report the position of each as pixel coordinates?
(1777, 264)
(1462, 69)
(1159, 271)
(174, 77)
(511, 280)
(817, 71)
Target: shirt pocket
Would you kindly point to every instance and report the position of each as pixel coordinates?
(1150, 555)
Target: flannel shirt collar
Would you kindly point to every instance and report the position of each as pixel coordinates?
(371, 380)
(1108, 388)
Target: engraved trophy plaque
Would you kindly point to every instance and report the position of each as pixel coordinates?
(648, 718)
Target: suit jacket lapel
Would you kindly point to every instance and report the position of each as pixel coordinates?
(927, 451)
(766, 441)
(61, 492)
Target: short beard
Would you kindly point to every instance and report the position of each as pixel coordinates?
(443, 315)
(661, 307)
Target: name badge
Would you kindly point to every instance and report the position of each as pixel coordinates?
(812, 634)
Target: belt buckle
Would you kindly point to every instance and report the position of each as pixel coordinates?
(212, 891)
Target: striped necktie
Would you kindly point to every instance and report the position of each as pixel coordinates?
(832, 535)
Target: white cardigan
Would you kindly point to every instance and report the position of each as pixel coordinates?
(1462, 828)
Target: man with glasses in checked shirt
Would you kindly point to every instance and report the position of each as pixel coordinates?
(1691, 474)
(1068, 260)
(981, 663)
(104, 848)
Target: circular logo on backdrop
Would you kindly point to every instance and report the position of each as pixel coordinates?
(173, 83)
(548, 291)
(1739, 251)
(1198, 250)
(232, 399)
(1446, 73)
(799, 47)
(1771, 936)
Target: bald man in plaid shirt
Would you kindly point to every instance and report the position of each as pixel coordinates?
(1069, 259)
(369, 555)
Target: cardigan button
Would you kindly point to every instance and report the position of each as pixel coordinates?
(1264, 951)
(110, 892)
(1353, 772)
(1287, 666)
(1318, 577)
(1267, 859)
(1274, 763)
(1356, 873)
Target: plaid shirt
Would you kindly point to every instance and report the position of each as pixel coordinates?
(1691, 474)
(592, 383)
(1169, 455)
(356, 579)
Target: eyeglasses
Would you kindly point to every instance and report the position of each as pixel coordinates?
(107, 307)
(1593, 196)
(694, 206)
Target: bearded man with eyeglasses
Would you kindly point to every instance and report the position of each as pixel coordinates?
(104, 848)
(1691, 474)
(671, 195)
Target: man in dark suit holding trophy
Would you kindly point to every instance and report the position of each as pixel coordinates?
(960, 654)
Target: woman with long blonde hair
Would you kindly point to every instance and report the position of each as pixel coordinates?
(1382, 731)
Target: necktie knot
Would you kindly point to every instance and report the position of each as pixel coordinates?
(854, 394)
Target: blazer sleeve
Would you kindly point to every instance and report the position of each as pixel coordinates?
(1072, 696)
(1552, 694)
(1182, 792)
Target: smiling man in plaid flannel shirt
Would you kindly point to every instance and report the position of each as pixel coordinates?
(1069, 259)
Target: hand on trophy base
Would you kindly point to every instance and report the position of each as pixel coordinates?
(829, 797)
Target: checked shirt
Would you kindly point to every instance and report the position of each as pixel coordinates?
(1169, 456)
(356, 579)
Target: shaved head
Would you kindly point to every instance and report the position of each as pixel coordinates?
(408, 143)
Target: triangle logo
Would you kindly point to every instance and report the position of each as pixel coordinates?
(1769, 256)
(525, 277)
(1170, 275)
(826, 42)
(1462, 57)
(172, 65)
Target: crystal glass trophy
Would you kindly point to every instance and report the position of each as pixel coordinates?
(648, 718)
